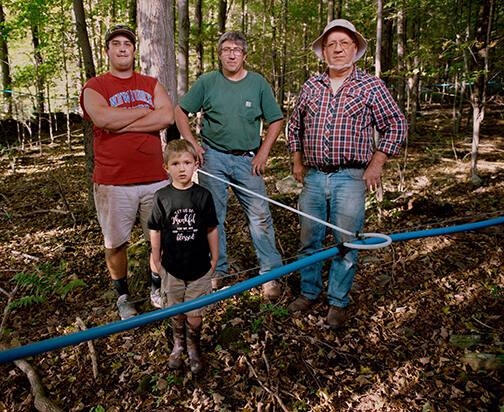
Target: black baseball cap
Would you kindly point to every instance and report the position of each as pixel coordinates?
(120, 29)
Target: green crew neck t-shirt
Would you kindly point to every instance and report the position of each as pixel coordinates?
(232, 110)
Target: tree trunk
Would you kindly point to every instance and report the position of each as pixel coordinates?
(338, 11)
(274, 56)
(183, 47)
(89, 69)
(198, 22)
(156, 32)
(387, 49)
(480, 61)
(39, 80)
(222, 16)
(401, 43)
(330, 10)
(283, 64)
(4, 63)
(379, 30)
(244, 17)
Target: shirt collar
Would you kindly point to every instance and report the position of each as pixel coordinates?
(326, 81)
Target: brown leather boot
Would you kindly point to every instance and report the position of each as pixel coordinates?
(194, 349)
(336, 317)
(178, 329)
(301, 304)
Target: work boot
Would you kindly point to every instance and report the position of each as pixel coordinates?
(178, 330)
(194, 349)
(301, 304)
(272, 290)
(125, 307)
(336, 317)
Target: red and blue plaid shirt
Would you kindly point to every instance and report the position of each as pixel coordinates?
(337, 129)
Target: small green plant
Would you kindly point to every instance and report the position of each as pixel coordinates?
(256, 324)
(46, 281)
(276, 311)
(97, 408)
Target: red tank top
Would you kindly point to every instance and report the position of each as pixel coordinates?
(126, 158)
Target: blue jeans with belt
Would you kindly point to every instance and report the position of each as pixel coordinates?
(238, 170)
(339, 197)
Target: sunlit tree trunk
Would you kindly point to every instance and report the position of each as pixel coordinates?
(4, 63)
(480, 61)
(198, 23)
(283, 65)
(274, 55)
(400, 55)
(157, 46)
(330, 10)
(183, 46)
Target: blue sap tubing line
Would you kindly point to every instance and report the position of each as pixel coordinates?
(145, 318)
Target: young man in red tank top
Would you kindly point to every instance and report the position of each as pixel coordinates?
(127, 110)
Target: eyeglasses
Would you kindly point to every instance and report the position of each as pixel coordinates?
(344, 44)
(237, 51)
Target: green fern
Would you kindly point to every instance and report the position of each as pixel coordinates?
(46, 281)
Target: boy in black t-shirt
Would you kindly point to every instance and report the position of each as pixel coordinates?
(184, 241)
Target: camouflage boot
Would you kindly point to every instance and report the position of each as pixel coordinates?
(194, 349)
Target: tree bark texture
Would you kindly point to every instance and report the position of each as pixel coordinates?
(156, 32)
(183, 47)
(4, 63)
(89, 69)
(198, 23)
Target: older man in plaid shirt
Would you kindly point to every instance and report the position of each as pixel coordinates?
(331, 137)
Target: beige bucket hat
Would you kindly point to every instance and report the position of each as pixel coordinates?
(345, 24)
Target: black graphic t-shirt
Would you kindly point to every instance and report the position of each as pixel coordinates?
(184, 217)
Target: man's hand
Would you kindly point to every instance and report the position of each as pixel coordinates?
(372, 175)
(259, 162)
(200, 152)
(298, 168)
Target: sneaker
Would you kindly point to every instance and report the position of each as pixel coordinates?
(126, 308)
(336, 317)
(155, 298)
(301, 304)
(272, 290)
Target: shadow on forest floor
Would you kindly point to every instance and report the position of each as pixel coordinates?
(427, 324)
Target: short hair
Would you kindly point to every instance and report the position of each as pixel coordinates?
(234, 36)
(178, 146)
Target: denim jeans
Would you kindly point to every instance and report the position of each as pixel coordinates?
(238, 170)
(340, 197)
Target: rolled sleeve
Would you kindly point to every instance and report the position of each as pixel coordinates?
(390, 122)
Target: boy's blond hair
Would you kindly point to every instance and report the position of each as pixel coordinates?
(178, 146)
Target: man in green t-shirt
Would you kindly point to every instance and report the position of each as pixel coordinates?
(233, 101)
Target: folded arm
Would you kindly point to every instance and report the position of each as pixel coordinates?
(106, 117)
(159, 118)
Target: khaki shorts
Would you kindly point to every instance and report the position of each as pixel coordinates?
(174, 290)
(117, 208)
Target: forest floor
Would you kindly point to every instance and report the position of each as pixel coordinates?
(427, 325)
